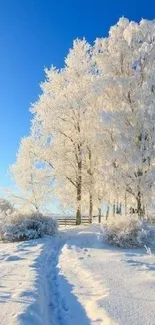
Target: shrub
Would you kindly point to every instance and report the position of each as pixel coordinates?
(18, 227)
(125, 231)
(5, 206)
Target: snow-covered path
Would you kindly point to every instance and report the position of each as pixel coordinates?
(101, 285)
(75, 279)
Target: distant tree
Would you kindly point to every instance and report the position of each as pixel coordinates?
(32, 176)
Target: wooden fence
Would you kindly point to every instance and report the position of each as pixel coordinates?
(71, 221)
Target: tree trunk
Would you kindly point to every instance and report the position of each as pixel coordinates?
(78, 211)
(78, 215)
(99, 215)
(107, 213)
(90, 173)
(120, 209)
(117, 208)
(139, 204)
(114, 209)
(79, 192)
(125, 204)
(90, 207)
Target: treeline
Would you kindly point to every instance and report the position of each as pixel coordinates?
(93, 128)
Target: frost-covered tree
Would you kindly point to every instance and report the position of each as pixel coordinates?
(126, 60)
(63, 110)
(32, 175)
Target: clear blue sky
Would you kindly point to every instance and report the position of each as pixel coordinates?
(38, 33)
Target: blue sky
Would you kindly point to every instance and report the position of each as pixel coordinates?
(38, 33)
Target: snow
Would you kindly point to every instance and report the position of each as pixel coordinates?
(23, 283)
(75, 279)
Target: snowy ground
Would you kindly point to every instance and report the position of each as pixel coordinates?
(75, 279)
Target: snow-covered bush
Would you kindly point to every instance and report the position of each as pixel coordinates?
(125, 231)
(5, 206)
(17, 227)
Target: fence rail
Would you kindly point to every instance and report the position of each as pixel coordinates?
(71, 221)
